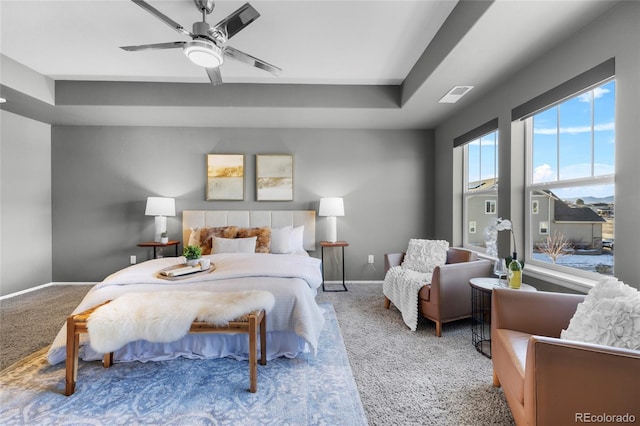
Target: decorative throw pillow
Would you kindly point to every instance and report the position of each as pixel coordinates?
(296, 239)
(233, 245)
(425, 255)
(206, 235)
(609, 315)
(194, 237)
(263, 241)
(280, 239)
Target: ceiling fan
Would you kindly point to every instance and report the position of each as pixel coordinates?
(207, 46)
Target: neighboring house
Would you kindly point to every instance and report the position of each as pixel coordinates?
(579, 224)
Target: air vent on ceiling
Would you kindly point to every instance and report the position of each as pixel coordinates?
(455, 94)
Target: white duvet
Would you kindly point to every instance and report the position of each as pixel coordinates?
(293, 325)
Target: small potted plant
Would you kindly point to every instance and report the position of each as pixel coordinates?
(192, 254)
(163, 238)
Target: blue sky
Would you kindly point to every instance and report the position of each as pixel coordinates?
(563, 144)
(563, 141)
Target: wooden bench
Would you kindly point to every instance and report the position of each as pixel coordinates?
(249, 323)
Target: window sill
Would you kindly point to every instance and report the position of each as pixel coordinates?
(573, 282)
(562, 279)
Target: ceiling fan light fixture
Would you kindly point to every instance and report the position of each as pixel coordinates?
(203, 53)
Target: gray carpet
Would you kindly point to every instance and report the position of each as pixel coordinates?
(404, 377)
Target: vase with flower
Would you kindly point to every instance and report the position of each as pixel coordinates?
(491, 238)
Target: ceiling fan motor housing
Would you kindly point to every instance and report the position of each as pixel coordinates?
(205, 5)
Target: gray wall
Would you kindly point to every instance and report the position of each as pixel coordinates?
(101, 177)
(25, 203)
(614, 34)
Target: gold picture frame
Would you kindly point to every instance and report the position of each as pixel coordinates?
(225, 177)
(274, 177)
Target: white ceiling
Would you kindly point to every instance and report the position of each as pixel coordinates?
(314, 42)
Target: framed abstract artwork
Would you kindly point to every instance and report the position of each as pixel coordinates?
(274, 177)
(225, 177)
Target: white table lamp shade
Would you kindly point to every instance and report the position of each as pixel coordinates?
(160, 207)
(331, 207)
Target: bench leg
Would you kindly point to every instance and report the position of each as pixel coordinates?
(108, 360)
(253, 353)
(73, 342)
(263, 340)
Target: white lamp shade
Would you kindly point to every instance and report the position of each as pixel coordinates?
(160, 206)
(331, 206)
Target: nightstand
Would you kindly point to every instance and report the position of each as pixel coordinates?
(155, 246)
(342, 244)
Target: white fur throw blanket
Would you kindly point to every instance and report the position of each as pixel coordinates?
(166, 316)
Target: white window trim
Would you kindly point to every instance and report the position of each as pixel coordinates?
(546, 228)
(493, 207)
(563, 276)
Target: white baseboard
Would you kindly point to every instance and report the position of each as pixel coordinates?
(353, 282)
(18, 293)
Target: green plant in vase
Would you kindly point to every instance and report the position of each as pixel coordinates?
(192, 254)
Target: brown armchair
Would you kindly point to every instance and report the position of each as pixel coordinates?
(448, 297)
(550, 381)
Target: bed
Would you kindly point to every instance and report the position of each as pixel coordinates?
(284, 268)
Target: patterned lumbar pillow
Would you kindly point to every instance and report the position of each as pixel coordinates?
(609, 315)
(425, 255)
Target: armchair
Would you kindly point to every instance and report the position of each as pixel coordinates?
(549, 381)
(448, 296)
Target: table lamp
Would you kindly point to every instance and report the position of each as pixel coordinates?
(160, 207)
(331, 207)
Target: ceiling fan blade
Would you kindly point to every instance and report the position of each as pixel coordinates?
(157, 46)
(164, 18)
(251, 60)
(214, 76)
(235, 22)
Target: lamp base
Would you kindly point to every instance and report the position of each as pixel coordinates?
(161, 226)
(332, 231)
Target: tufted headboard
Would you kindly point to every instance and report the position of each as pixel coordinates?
(252, 219)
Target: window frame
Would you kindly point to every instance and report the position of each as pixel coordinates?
(530, 188)
(489, 128)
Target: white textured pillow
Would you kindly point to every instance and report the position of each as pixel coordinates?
(425, 255)
(609, 315)
(194, 237)
(280, 239)
(296, 240)
(233, 245)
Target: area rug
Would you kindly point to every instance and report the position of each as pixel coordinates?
(306, 390)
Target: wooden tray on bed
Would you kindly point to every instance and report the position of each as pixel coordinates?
(184, 276)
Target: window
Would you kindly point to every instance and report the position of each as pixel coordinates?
(480, 186)
(570, 182)
(544, 228)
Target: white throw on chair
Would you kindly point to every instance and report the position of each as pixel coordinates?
(432, 280)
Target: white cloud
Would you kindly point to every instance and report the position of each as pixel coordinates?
(543, 173)
(598, 92)
(575, 129)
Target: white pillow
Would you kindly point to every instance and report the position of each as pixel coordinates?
(425, 255)
(296, 240)
(233, 245)
(609, 315)
(280, 239)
